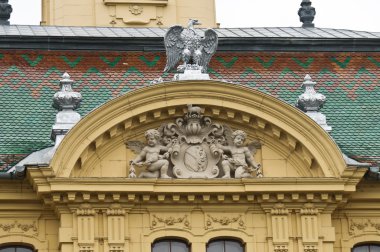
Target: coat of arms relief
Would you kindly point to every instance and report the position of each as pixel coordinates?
(194, 147)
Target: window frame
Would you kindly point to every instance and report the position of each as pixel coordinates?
(16, 247)
(368, 245)
(170, 240)
(240, 242)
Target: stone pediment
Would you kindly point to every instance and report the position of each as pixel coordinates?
(292, 145)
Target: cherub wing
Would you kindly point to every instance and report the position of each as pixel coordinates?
(161, 130)
(174, 46)
(209, 44)
(135, 146)
(228, 133)
(254, 146)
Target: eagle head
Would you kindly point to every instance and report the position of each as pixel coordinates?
(193, 22)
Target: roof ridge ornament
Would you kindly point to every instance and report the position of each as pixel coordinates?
(5, 12)
(65, 101)
(307, 14)
(195, 51)
(311, 102)
(66, 98)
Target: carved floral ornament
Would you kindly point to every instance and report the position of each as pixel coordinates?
(279, 209)
(311, 248)
(16, 227)
(225, 221)
(281, 248)
(135, 9)
(159, 221)
(194, 147)
(359, 226)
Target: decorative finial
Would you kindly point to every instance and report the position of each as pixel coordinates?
(311, 102)
(66, 98)
(5, 12)
(306, 13)
(65, 76)
(66, 101)
(195, 51)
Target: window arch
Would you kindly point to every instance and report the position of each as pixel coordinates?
(225, 246)
(366, 248)
(170, 245)
(16, 249)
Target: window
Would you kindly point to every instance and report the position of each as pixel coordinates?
(169, 246)
(15, 249)
(225, 246)
(366, 248)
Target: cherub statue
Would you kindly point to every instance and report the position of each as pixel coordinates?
(240, 159)
(150, 157)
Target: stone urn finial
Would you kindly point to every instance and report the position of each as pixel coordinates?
(65, 101)
(311, 102)
(306, 13)
(66, 98)
(5, 12)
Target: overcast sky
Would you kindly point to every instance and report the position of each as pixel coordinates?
(348, 14)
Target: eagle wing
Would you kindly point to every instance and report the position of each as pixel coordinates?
(209, 45)
(174, 46)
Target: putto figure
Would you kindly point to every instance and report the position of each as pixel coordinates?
(240, 160)
(156, 165)
(194, 147)
(194, 50)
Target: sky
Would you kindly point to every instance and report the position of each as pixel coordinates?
(360, 15)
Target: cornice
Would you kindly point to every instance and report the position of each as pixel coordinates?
(207, 190)
(225, 44)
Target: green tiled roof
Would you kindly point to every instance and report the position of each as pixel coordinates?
(29, 79)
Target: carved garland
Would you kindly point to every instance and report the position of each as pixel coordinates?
(363, 226)
(170, 221)
(16, 226)
(225, 221)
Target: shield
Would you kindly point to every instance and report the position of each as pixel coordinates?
(195, 161)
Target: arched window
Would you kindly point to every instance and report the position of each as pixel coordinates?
(366, 248)
(15, 249)
(169, 246)
(225, 246)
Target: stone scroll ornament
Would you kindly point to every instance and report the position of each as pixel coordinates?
(194, 50)
(194, 147)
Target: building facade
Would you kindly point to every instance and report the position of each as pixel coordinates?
(127, 13)
(234, 164)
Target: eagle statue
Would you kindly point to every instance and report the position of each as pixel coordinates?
(194, 50)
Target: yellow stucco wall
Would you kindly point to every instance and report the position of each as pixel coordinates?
(127, 13)
(25, 219)
(308, 200)
(70, 219)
